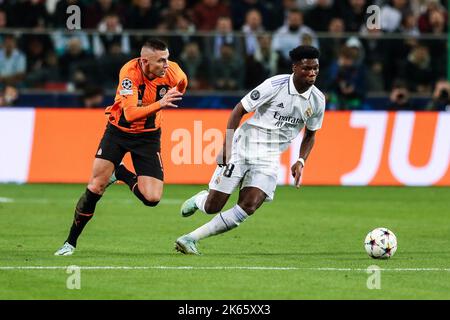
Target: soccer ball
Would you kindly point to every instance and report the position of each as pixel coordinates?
(380, 243)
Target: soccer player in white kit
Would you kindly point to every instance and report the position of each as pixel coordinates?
(283, 105)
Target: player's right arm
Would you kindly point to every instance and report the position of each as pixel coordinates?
(233, 123)
(250, 102)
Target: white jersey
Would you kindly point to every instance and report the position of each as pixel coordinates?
(280, 114)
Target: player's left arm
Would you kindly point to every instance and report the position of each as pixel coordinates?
(307, 144)
(182, 82)
(313, 124)
(178, 78)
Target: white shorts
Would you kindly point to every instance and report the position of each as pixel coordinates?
(227, 178)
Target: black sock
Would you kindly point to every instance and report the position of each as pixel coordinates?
(84, 211)
(130, 179)
(125, 175)
(138, 193)
(141, 197)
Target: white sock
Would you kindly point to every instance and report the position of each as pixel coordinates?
(221, 223)
(200, 201)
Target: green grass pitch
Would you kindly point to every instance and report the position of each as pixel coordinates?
(306, 244)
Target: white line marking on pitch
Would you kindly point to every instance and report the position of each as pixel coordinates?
(218, 268)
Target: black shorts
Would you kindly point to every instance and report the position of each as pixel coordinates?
(145, 149)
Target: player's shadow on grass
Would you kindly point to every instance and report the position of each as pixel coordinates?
(161, 253)
(288, 254)
(355, 255)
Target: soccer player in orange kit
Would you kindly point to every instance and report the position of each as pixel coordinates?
(147, 85)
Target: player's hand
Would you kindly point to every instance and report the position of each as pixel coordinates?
(170, 97)
(296, 171)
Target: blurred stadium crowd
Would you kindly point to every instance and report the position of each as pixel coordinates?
(231, 46)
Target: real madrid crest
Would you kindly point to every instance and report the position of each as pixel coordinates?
(309, 111)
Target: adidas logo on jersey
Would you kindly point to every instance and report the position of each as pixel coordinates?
(280, 105)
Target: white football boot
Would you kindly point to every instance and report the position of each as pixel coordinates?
(189, 207)
(186, 245)
(66, 250)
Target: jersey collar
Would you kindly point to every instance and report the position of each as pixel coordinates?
(292, 90)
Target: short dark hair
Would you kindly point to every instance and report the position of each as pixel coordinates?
(155, 44)
(304, 52)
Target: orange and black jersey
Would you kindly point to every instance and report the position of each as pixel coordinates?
(136, 108)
